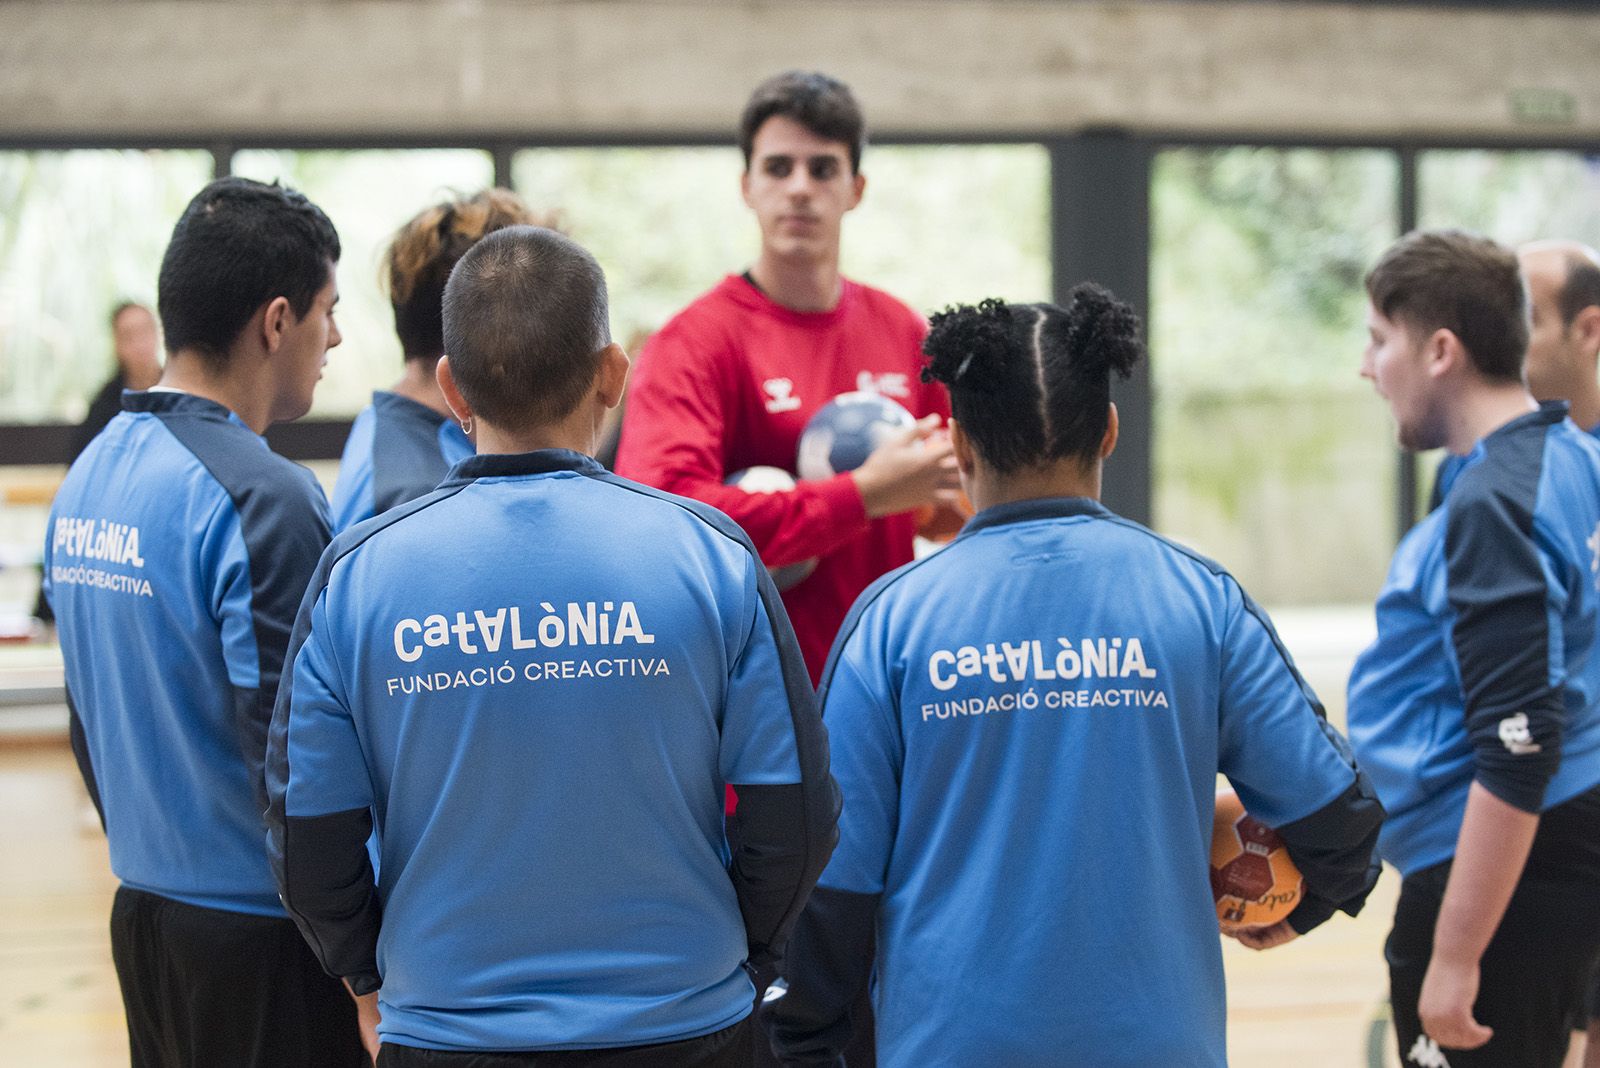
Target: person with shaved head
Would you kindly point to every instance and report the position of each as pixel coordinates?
(536, 682)
(1563, 283)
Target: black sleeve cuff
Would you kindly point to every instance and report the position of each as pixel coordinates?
(784, 841)
(1335, 850)
(326, 883)
(828, 964)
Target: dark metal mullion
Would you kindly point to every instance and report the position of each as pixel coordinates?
(1406, 475)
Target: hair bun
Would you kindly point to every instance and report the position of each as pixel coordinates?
(969, 346)
(1102, 332)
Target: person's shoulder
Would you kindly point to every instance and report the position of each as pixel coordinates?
(644, 501)
(881, 304)
(710, 311)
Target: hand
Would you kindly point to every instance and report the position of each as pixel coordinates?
(914, 467)
(1445, 1005)
(1259, 938)
(367, 1019)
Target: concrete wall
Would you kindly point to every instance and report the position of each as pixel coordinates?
(513, 68)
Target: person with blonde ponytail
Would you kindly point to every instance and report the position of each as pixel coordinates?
(402, 444)
(1027, 729)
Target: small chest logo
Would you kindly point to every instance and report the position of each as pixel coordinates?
(885, 385)
(1516, 737)
(1593, 542)
(1426, 1052)
(780, 395)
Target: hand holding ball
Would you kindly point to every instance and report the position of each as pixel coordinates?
(1253, 881)
(846, 430)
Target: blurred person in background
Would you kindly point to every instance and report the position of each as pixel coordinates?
(1563, 281)
(402, 444)
(136, 342)
(136, 345)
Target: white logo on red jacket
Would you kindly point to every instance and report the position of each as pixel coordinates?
(780, 395)
(892, 384)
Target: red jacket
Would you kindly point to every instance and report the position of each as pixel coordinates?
(729, 384)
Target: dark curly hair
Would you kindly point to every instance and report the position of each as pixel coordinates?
(1031, 383)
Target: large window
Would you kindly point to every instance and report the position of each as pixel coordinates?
(938, 224)
(1512, 196)
(368, 195)
(1271, 454)
(80, 231)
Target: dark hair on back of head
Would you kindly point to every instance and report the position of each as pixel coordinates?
(821, 104)
(1031, 383)
(1581, 289)
(525, 320)
(1452, 280)
(425, 249)
(238, 245)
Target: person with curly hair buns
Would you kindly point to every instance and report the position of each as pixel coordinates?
(1026, 730)
(403, 443)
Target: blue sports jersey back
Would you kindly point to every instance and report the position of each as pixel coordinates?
(151, 581)
(1030, 787)
(540, 683)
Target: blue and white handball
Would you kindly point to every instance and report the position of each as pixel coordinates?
(844, 432)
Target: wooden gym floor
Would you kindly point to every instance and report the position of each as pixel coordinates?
(1309, 1004)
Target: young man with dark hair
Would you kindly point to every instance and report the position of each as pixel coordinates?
(1477, 709)
(179, 547)
(732, 380)
(542, 721)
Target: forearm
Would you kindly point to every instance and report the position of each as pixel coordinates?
(1491, 851)
(786, 526)
(827, 965)
(786, 835)
(326, 881)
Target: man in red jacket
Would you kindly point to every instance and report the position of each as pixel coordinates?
(730, 382)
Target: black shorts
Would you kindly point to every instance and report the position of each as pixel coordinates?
(1540, 965)
(203, 987)
(727, 1048)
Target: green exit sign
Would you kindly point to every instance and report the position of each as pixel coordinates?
(1546, 107)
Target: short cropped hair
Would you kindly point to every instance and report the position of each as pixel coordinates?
(238, 245)
(821, 104)
(1031, 383)
(525, 321)
(1580, 289)
(1469, 285)
(426, 248)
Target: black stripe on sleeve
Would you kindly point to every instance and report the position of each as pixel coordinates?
(283, 521)
(406, 461)
(1498, 591)
(80, 752)
(329, 893)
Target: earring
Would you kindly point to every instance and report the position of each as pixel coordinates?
(466, 426)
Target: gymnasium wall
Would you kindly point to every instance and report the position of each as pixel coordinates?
(107, 68)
